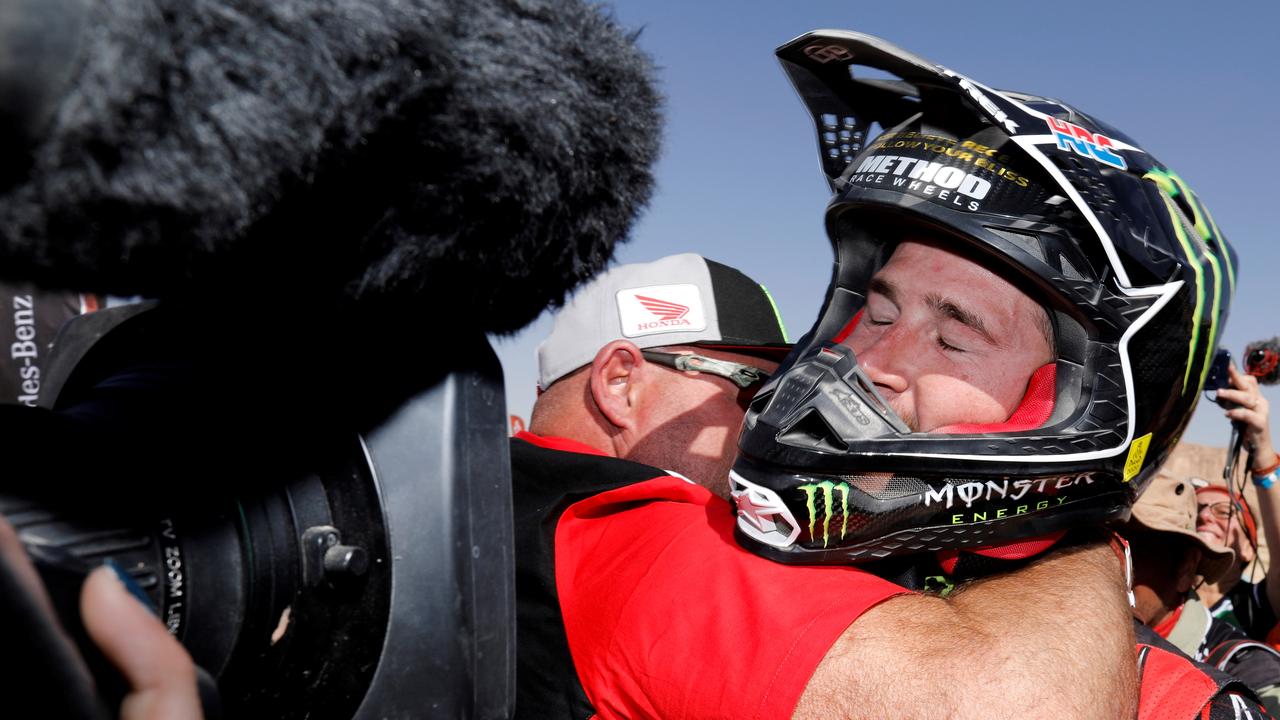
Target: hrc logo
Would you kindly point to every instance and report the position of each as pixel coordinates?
(1090, 145)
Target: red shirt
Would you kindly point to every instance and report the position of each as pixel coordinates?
(667, 617)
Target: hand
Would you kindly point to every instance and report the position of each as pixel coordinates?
(1253, 414)
(160, 673)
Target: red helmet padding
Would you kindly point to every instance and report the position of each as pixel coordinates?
(848, 329)
(1032, 412)
(1016, 550)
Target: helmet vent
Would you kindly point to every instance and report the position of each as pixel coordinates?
(884, 487)
(1189, 229)
(1088, 181)
(812, 431)
(760, 401)
(1069, 271)
(841, 137)
(1029, 243)
(1185, 210)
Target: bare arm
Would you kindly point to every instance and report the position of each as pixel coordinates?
(1054, 639)
(1254, 417)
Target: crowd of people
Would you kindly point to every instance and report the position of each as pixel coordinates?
(922, 507)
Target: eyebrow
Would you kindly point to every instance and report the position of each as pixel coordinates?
(948, 308)
(941, 305)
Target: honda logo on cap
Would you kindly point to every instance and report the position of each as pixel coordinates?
(661, 308)
(664, 309)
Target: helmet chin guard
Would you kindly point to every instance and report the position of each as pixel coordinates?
(1132, 270)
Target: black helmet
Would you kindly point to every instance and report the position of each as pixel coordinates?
(1130, 267)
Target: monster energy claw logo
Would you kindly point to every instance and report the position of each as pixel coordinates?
(1206, 245)
(827, 490)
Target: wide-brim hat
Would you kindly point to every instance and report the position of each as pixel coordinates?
(1168, 505)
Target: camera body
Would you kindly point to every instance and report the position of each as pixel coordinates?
(367, 574)
(301, 451)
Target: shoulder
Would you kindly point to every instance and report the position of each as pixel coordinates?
(554, 472)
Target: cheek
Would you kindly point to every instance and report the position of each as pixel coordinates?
(716, 407)
(716, 426)
(1003, 378)
(946, 400)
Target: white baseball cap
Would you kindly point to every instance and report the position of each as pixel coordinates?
(681, 299)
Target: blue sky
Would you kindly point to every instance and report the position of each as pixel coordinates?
(1195, 84)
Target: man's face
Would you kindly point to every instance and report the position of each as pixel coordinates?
(1218, 530)
(693, 420)
(947, 341)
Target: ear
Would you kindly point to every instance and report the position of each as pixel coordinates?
(617, 376)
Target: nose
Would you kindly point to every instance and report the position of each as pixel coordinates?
(1205, 516)
(888, 360)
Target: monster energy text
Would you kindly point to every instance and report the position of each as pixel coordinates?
(975, 516)
(971, 492)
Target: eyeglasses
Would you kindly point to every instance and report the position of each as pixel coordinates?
(1220, 510)
(744, 376)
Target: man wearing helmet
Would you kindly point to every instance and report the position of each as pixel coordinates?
(1023, 310)
(978, 389)
(1007, 369)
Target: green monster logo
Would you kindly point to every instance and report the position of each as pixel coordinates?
(1205, 245)
(827, 490)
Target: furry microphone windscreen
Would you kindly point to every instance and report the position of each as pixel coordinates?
(1262, 360)
(475, 157)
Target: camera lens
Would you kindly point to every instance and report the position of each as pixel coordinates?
(283, 596)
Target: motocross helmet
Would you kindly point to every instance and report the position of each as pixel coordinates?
(1131, 270)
